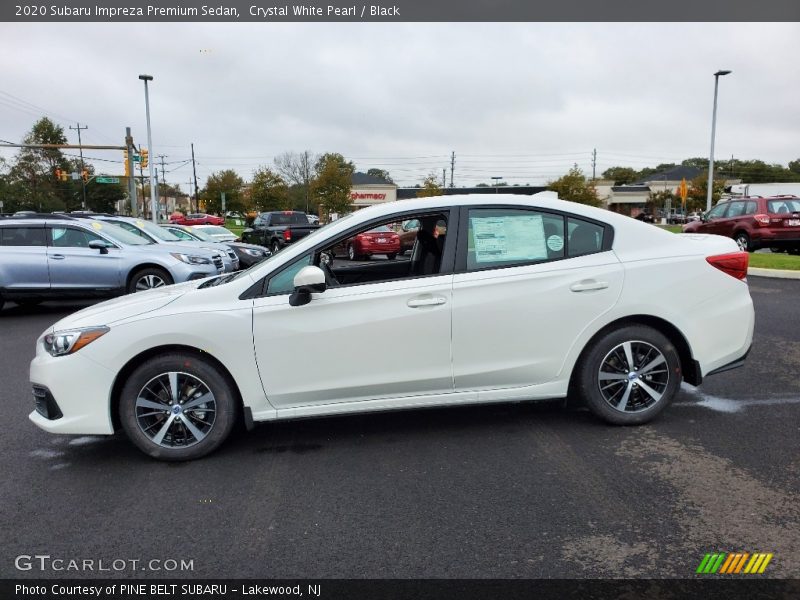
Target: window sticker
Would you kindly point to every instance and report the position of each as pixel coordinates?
(97, 225)
(555, 243)
(509, 238)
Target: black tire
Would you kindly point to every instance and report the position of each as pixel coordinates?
(743, 240)
(351, 252)
(645, 395)
(195, 379)
(145, 279)
(391, 256)
(276, 247)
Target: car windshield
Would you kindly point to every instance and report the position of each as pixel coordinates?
(157, 232)
(200, 234)
(214, 230)
(118, 234)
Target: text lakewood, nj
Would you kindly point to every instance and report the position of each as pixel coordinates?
(286, 11)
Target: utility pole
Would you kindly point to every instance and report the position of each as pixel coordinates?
(594, 163)
(452, 166)
(141, 179)
(80, 150)
(163, 180)
(444, 179)
(131, 176)
(194, 171)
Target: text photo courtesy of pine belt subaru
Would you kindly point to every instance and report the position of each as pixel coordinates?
(53, 257)
(523, 298)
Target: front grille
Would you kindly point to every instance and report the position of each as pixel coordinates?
(45, 403)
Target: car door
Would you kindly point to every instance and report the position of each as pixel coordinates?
(527, 284)
(355, 342)
(23, 258)
(75, 266)
(715, 220)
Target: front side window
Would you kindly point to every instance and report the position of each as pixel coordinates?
(283, 282)
(22, 236)
(717, 211)
(504, 237)
(68, 237)
(736, 210)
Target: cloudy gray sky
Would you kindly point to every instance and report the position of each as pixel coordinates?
(523, 101)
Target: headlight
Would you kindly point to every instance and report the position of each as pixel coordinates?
(62, 343)
(190, 259)
(254, 252)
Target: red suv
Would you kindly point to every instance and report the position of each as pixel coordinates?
(754, 222)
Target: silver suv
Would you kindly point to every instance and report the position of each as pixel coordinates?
(55, 257)
(152, 232)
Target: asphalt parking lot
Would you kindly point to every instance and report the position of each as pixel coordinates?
(499, 491)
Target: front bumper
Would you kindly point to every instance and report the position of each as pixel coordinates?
(80, 391)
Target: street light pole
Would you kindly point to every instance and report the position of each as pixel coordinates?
(496, 181)
(153, 198)
(717, 75)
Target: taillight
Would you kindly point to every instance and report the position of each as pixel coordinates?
(734, 263)
(762, 220)
(287, 235)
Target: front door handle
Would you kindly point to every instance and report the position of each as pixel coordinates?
(426, 301)
(58, 256)
(588, 286)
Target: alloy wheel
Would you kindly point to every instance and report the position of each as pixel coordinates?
(149, 282)
(633, 376)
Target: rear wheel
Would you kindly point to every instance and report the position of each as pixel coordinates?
(177, 407)
(146, 279)
(743, 241)
(629, 375)
(351, 252)
(276, 247)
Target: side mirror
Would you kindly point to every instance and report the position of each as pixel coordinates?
(308, 280)
(99, 245)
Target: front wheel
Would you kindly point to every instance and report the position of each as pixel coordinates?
(146, 279)
(629, 375)
(743, 241)
(177, 407)
(276, 247)
(351, 252)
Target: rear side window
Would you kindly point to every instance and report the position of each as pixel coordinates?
(22, 236)
(506, 237)
(751, 208)
(736, 209)
(783, 206)
(585, 237)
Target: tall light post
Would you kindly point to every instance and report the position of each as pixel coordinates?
(717, 75)
(496, 181)
(153, 198)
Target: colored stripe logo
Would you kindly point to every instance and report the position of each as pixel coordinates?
(734, 563)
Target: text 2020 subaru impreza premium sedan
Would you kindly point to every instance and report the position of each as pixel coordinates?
(524, 298)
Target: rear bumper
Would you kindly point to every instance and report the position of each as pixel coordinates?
(739, 362)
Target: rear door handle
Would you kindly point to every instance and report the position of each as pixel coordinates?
(58, 256)
(588, 286)
(428, 301)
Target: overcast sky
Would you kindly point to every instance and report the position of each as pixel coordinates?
(522, 101)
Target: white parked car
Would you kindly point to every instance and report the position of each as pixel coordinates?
(504, 298)
(217, 232)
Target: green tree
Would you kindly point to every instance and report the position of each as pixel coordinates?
(430, 187)
(332, 183)
(698, 163)
(574, 187)
(621, 175)
(380, 174)
(103, 197)
(227, 182)
(33, 173)
(696, 194)
(794, 166)
(268, 191)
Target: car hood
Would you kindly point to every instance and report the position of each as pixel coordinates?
(124, 307)
(243, 245)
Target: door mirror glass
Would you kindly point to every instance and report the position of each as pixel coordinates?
(309, 279)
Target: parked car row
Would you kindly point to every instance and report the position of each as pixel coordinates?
(56, 256)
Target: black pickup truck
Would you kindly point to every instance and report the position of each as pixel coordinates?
(278, 229)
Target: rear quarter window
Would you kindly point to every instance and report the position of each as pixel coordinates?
(22, 236)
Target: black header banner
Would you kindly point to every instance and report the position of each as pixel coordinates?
(396, 11)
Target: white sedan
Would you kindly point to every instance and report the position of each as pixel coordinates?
(504, 298)
(217, 232)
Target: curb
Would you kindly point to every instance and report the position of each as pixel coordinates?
(775, 273)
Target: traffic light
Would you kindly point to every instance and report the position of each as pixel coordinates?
(127, 164)
(143, 161)
(58, 174)
(85, 175)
